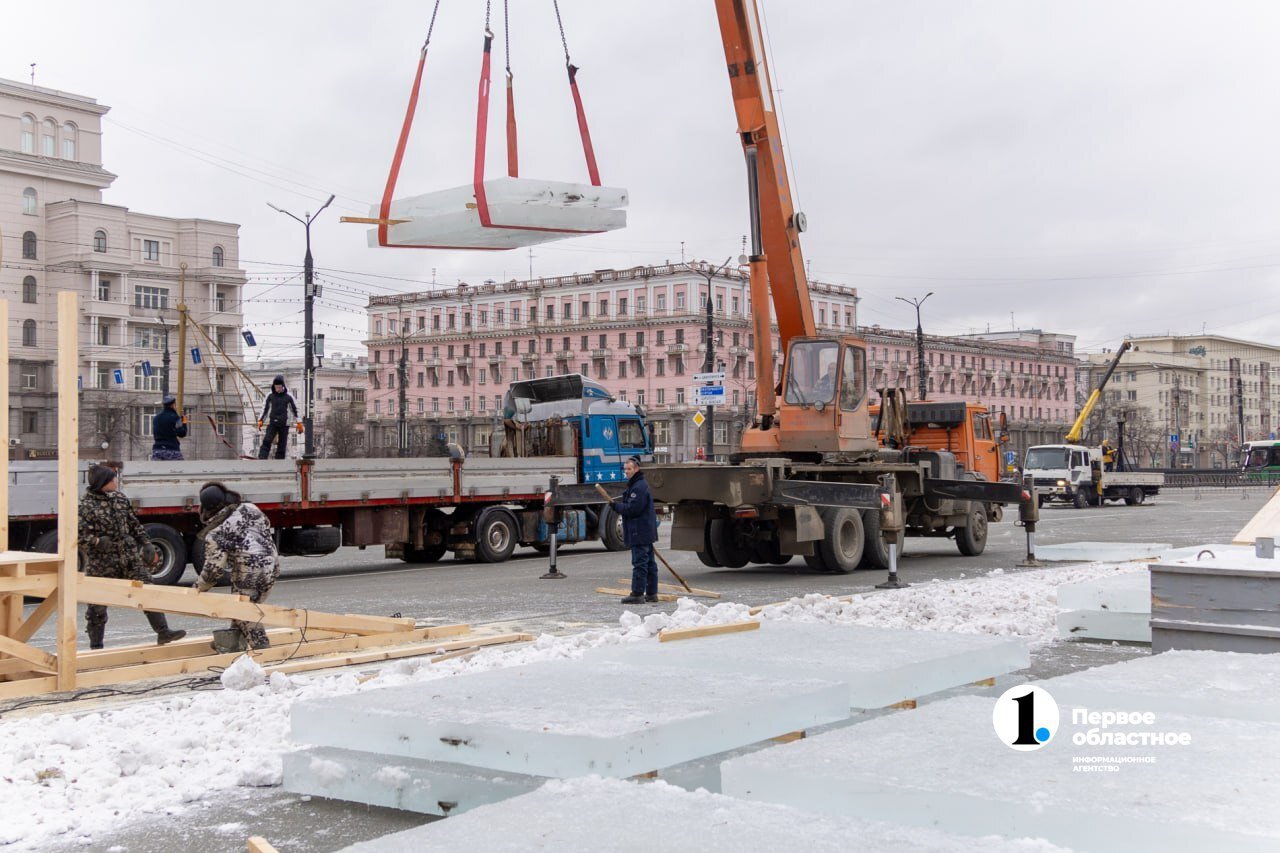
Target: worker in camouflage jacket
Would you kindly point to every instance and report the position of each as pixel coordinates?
(238, 541)
(116, 545)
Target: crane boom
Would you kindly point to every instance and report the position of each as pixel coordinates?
(777, 264)
(1077, 429)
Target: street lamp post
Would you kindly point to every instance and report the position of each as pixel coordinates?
(922, 373)
(164, 370)
(308, 343)
(709, 363)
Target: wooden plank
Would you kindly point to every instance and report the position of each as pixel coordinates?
(32, 623)
(258, 844)
(789, 737)
(707, 631)
(670, 587)
(68, 497)
(30, 654)
(116, 593)
(31, 559)
(985, 682)
(371, 220)
(400, 652)
(28, 687)
(4, 421)
(904, 705)
(608, 590)
(1265, 522)
(37, 586)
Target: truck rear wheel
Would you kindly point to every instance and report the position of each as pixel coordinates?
(611, 529)
(971, 539)
(496, 536)
(1135, 497)
(725, 547)
(845, 539)
(875, 553)
(173, 553)
(425, 554)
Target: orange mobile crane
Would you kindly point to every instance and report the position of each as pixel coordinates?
(811, 477)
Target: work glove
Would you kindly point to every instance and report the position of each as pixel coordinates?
(201, 585)
(259, 423)
(184, 420)
(299, 426)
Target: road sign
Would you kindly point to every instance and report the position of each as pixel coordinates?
(248, 338)
(717, 376)
(195, 355)
(698, 419)
(1010, 457)
(709, 395)
(119, 376)
(146, 368)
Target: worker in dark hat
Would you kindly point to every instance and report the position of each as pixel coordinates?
(238, 540)
(116, 545)
(166, 428)
(639, 532)
(275, 414)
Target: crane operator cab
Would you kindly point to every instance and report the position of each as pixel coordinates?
(824, 397)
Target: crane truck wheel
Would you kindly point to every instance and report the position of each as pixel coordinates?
(815, 560)
(47, 543)
(173, 553)
(1135, 497)
(611, 529)
(845, 538)
(724, 546)
(496, 536)
(875, 553)
(971, 539)
(1079, 500)
(425, 554)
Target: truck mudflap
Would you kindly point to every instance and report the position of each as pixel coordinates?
(973, 490)
(825, 493)
(585, 494)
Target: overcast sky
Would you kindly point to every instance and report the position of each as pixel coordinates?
(1095, 168)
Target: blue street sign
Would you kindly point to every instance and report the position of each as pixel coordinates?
(709, 395)
(195, 355)
(146, 368)
(79, 383)
(248, 338)
(119, 376)
(1010, 457)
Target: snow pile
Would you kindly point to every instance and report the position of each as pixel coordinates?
(243, 674)
(79, 775)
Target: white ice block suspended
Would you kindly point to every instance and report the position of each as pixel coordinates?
(1116, 607)
(1100, 552)
(409, 784)
(880, 666)
(571, 718)
(520, 212)
(1211, 684)
(943, 766)
(627, 817)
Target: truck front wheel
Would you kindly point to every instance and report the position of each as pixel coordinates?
(611, 529)
(1079, 500)
(971, 539)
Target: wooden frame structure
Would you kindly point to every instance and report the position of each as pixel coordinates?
(318, 639)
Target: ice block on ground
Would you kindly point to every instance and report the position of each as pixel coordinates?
(1193, 552)
(881, 666)
(1104, 552)
(626, 817)
(943, 766)
(410, 784)
(529, 211)
(571, 718)
(1210, 684)
(1116, 607)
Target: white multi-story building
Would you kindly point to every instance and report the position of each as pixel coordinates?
(130, 270)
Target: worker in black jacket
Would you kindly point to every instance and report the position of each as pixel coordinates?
(275, 413)
(166, 428)
(639, 532)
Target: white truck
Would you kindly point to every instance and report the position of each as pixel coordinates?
(1075, 474)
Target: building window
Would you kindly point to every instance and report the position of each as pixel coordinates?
(151, 250)
(29, 333)
(29, 289)
(29, 201)
(150, 297)
(484, 403)
(604, 308)
(48, 138)
(622, 307)
(220, 301)
(449, 404)
(680, 396)
(99, 241)
(662, 301)
(29, 246)
(145, 383)
(29, 378)
(28, 135)
(679, 301)
(147, 414)
(68, 141)
(218, 256)
(104, 334)
(145, 337)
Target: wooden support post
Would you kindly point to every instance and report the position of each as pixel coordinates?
(68, 486)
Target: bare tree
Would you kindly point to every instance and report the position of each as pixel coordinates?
(343, 435)
(1223, 444)
(107, 417)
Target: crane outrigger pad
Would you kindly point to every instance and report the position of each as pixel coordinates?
(521, 212)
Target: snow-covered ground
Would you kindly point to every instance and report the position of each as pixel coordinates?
(75, 775)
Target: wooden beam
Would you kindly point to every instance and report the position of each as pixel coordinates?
(904, 705)
(32, 623)
(985, 682)
(401, 652)
(68, 485)
(707, 631)
(28, 687)
(118, 593)
(30, 654)
(4, 421)
(38, 586)
(608, 590)
(789, 737)
(258, 844)
(371, 220)
(670, 587)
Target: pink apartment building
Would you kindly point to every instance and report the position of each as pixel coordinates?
(642, 332)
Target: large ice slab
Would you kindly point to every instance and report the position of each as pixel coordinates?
(571, 718)
(625, 817)
(881, 666)
(409, 784)
(1104, 552)
(1115, 607)
(943, 766)
(529, 211)
(1211, 684)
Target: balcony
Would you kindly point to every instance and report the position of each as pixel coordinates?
(463, 361)
(637, 352)
(600, 353)
(739, 351)
(677, 349)
(497, 358)
(528, 357)
(432, 362)
(564, 354)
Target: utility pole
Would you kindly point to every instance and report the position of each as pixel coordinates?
(1177, 387)
(164, 370)
(308, 329)
(402, 380)
(709, 363)
(182, 333)
(922, 373)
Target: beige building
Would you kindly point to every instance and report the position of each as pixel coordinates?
(1194, 387)
(128, 271)
(341, 383)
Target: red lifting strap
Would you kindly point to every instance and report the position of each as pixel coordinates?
(384, 210)
(590, 153)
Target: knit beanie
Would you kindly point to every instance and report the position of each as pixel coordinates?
(99, 476)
